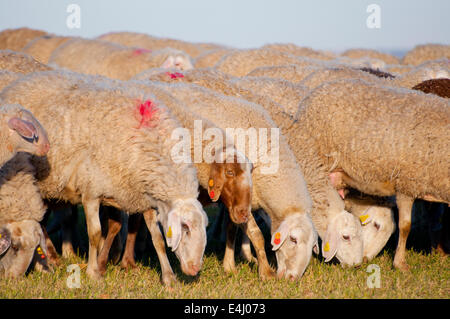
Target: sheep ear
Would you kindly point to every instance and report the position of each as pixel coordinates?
(316, 249)
(330, 244)
(280, 235)
(169, 63)
(173, 234)
(23, 128)
(5, 240)
(365, 218)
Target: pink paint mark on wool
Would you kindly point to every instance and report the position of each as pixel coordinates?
(147, 112)
(140, 51)
(175, 75)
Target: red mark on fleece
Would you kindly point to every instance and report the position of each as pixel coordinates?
(211, 194)
(147, 111)
(175, 75)
(140, 51)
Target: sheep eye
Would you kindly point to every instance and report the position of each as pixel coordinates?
(346, 237)
(377, 226)
(293, 239)
(230, 173)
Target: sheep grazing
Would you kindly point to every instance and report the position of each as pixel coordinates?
(292, 73)
(371, 54)
(20, 131)
(241, 62)
(142, 40)
(41, 48)
(16, 39)
(328, 214)
(85, 166)
(293, 232)
(210, 58)
(300, 51)
(114, 60)
(20, 62)
(21, 209)
(426, 52)
(440, 87)
(402, 150)
(377, 219)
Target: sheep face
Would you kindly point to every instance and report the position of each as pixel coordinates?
(343, 239)
(25, 236)
(24, 133)
(186, 234)
(293, 242)
(378, 226)
(231, 179)
(178, 61)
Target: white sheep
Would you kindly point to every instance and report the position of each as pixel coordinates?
(129, 167)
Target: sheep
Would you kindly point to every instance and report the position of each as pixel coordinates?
(329, 74)
(402, 150)
(318, 184)
(16, 39)
(84, 166)
(41, 48)
(426, 52)
(440, 87)
(20, 131)
(7, 77)
(377, 218)
(241, 62)
(426, 71)
(291, 72)
(142, 40)
(20, 62)
(300, 51)
(21, 209)
(371, 54)
(210, 58)
(236, 192)
(114, 60)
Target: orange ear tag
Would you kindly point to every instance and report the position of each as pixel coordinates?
(211, 183)
(277, 239)
(169, 233)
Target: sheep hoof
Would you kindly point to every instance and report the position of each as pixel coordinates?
(402, 266)
(230, 270)
(94, 274)
(169, 279)
(267, 274)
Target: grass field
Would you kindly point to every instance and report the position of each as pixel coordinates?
(429, 277)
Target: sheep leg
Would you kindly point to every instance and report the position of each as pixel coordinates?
(68, 222)
(404, 204)
(228, 260)
(52, 255)
(168, 277)
(114, 226)
(246, 250)
(134, 221)
(91, 210)
(252, 230)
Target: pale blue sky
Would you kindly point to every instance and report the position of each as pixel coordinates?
(326, 24)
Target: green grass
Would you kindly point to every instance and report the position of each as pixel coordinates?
(429, 277)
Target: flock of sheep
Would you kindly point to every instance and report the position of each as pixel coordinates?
(89, 121)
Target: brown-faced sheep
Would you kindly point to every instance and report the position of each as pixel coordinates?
(114, 60)
(16, 39)
(383, 141)
(426, 52)
(85, 165)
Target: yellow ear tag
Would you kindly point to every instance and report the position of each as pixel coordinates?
(0, 235)
(169, 233)
(211, 183)
(363, 218)
(326, 247)
(277, 239)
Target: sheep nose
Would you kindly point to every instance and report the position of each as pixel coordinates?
(44, 148)
(193, 268)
